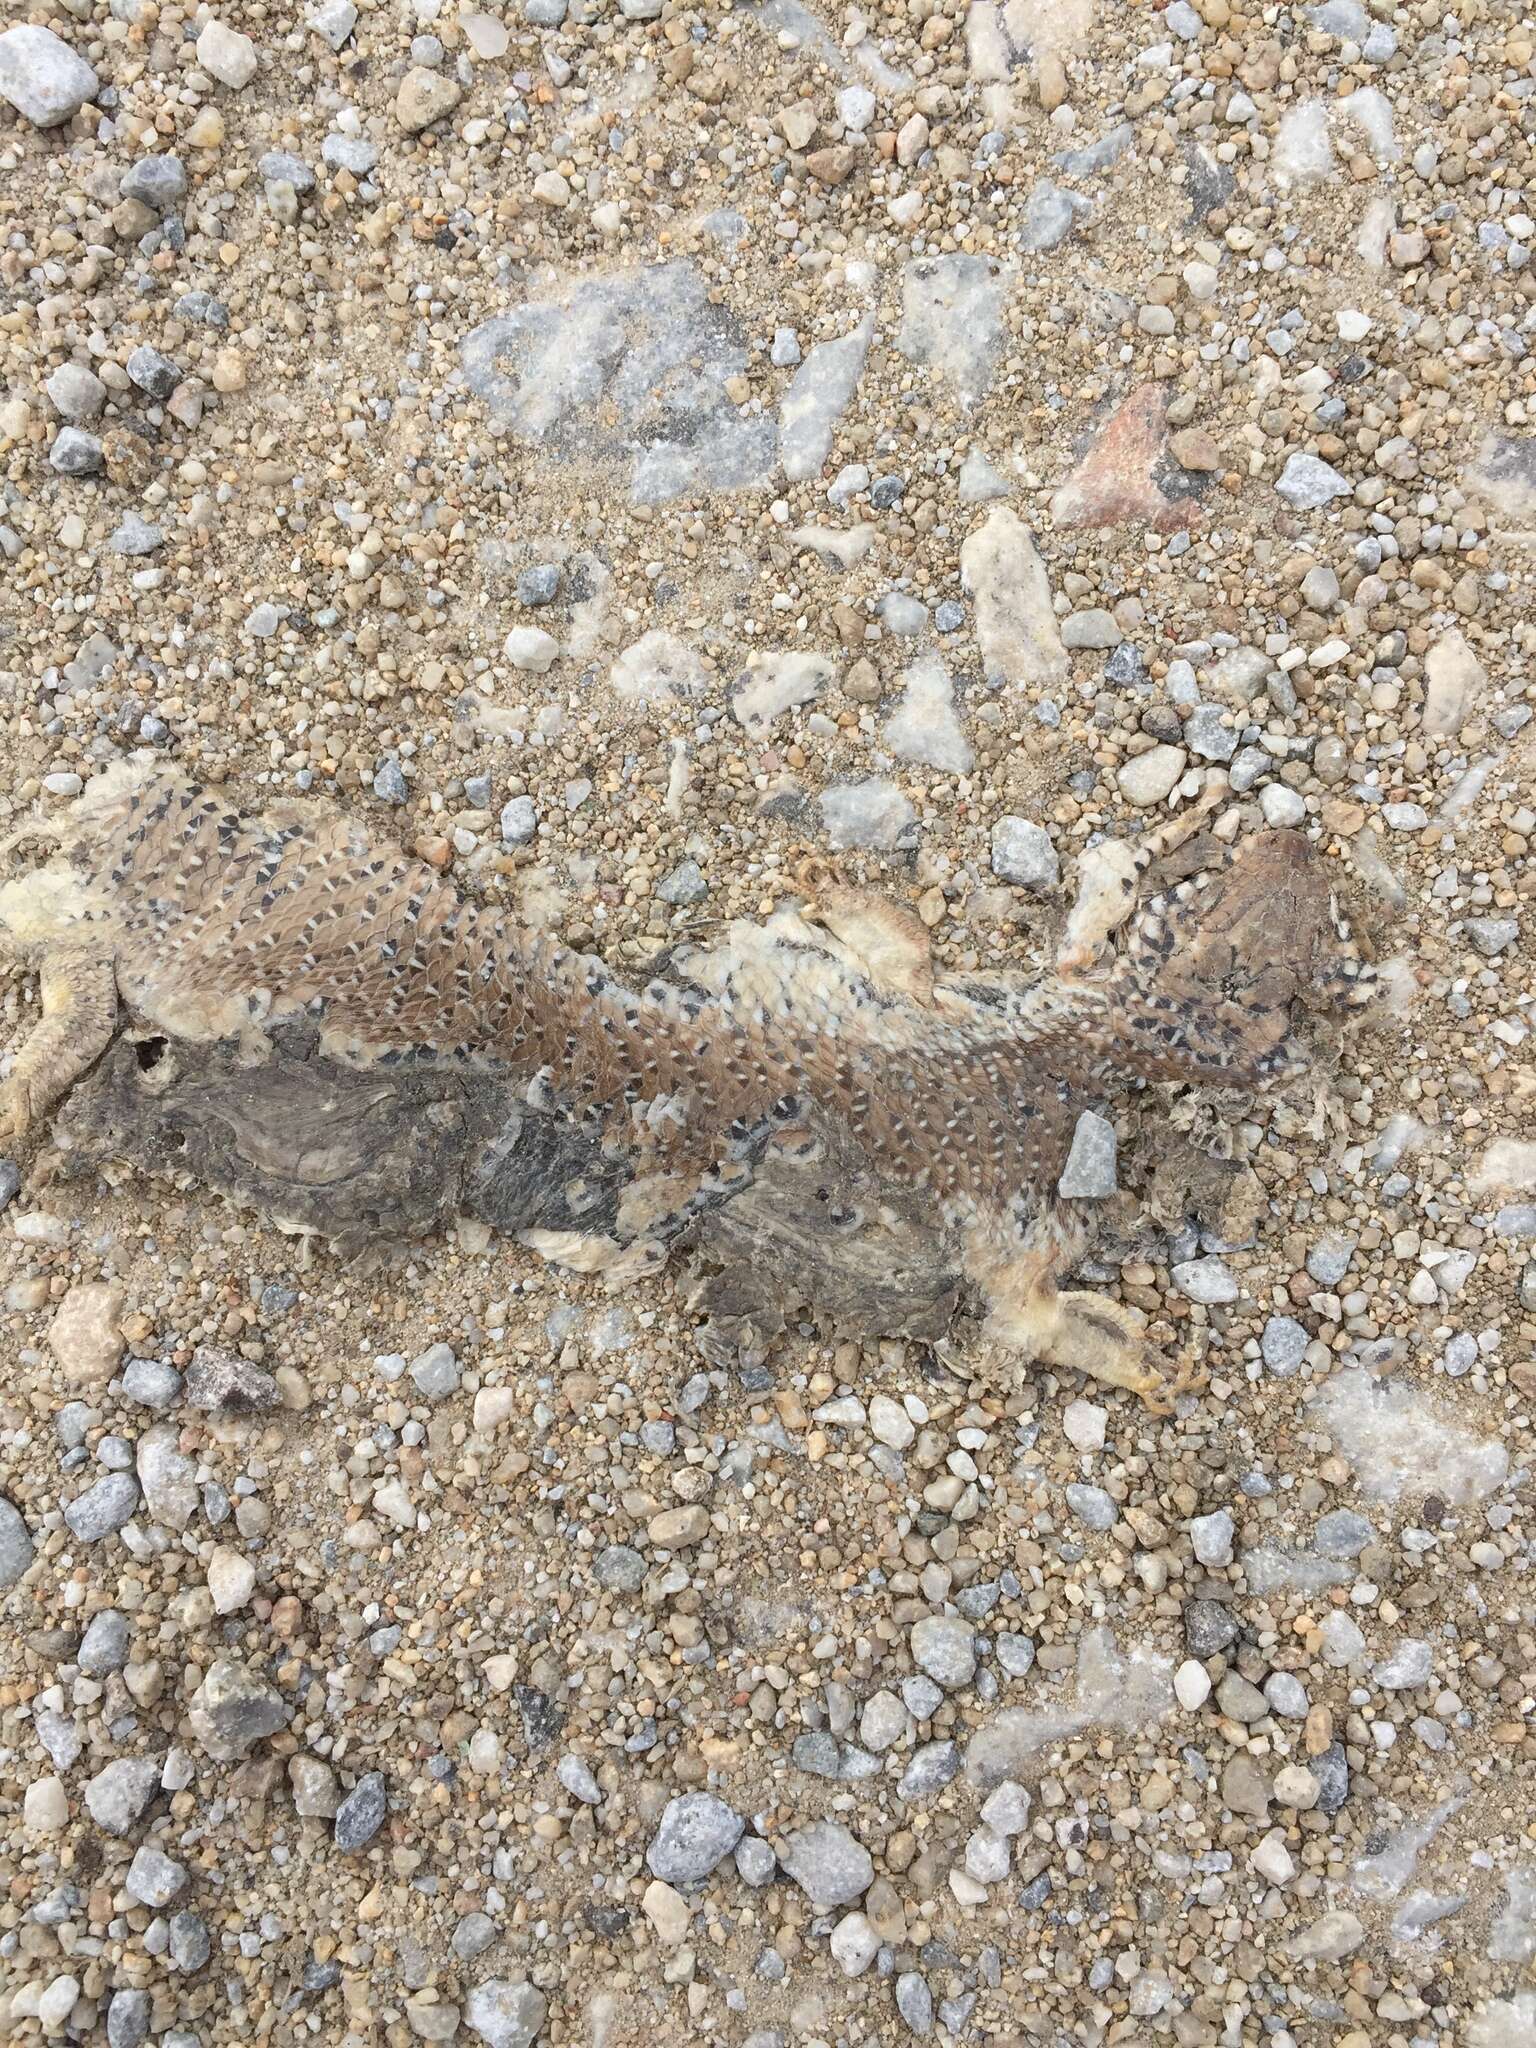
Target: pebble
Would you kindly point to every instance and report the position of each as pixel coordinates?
(945, 1648)
(1283, 1344)
(361, 1813)
(121, 1793)
(1022, 854)
(1205, 1280)
(128, 2018)
(435, 1372)
(104, 1508)
(1191, 1685)
(104, 1646)
(1307, 482)
(830, 1866)
(75, 392)
(1211, 1537)
(506, 2012)
(1411, 1665)
(1090, 1173)
(696, 1832)
(16, 1546)
(227, 55)
(233, 1709)
(45, 1806)
(42, 77)
(1149, 778)
(153, 1877)
(159, 182)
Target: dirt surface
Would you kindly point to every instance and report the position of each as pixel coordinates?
(902, 426)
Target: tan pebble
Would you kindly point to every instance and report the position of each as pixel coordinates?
(1193, 448)
(85, 1335)
(1052, 81)
(229, 371)
(678, 1528)
(667, 1910)
(207, 131)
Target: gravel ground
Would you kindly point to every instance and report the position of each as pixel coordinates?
(620, 448)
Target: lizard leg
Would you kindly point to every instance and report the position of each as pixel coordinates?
(882, 940)
(1109, 874)
(1075, 1329)
(79, 996)
(1088, 1333)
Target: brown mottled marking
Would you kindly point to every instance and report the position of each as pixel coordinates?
(828, 1023)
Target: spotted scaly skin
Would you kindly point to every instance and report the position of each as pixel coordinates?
(207, 923)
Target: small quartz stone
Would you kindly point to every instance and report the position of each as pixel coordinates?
(42, 77)
(697, 1831)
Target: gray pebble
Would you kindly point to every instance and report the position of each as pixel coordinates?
(519, 821)
(16, 1546)
(1206, 735)
(153, 1877)
(577, 1778)
(10, 1182)
(159, 182)
(1208, 1628)
(921, 1697)
(1283, 1345)
(696, 1831)
(282, 167)
(1342, 1534)
(914, 2001)
(202, 308)
(1049, 215)
(1091, 1171)
(830, 1866)
(1205, 1280)
(1328, 1260)
(151, 1383)
(361, 1814)
(104, 1646)
(1016, 1654)
(436, 1372)
(389, 784)
(619, 1569)
(1307, 482)
(685, 885)
(1092, 1505)
(944, 1647)
(1492, 935)
(120, 1794)
(1411, 1665)
(473, 1936)
(75, 453)
(103, 1508)
(545, 13)
(1240, 1700)
(1211, 1536)
(136, 536)
(128, 2017)
(539, 585)
(349, 153)
(189, 1946)
(1022, 853)
(932, 1768)
(1287, 1695)
(1331, 1771)
(755, 1861)
(506, 2012)
(154, 375)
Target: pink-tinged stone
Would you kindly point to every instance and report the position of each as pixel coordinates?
(1113, 484)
